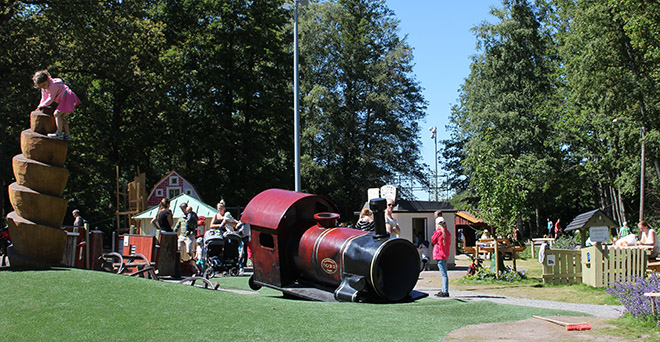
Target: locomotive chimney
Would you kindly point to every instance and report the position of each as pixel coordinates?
(378, 206)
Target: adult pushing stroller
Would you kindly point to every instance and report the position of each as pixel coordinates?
(222, 253)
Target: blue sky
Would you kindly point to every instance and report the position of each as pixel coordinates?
(439, 32)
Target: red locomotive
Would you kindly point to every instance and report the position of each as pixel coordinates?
(297, 248)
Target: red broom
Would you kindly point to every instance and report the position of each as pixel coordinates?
(569, 326)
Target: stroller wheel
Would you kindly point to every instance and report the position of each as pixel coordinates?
(233, 272)
(209, 273)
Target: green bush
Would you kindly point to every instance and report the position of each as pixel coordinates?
(567, 242)
(508, 275)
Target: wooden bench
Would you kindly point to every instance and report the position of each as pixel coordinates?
(653, 266)
(653, 296)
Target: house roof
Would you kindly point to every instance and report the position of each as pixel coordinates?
(590, 218)
(199, 207)
(469, 217)
(151, 193)
(421, 206)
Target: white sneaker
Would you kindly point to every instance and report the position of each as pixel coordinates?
(56, 135)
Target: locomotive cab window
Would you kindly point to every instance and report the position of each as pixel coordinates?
(266, 240)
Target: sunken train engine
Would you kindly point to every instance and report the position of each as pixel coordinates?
(297, 248)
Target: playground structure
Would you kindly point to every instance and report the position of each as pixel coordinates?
(36, 196)
(134, 200)
(298, 249)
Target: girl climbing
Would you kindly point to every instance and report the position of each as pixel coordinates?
(53, 90)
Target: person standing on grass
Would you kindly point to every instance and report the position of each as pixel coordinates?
(441, 242)
(163, 219)
(550, 225)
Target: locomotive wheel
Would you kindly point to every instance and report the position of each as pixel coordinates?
(253, 286)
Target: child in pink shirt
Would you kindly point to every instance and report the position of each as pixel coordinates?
(53, 90)
(441, 242)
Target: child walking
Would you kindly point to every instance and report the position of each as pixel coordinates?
(53, 90)
(441, 242)
(200, 252)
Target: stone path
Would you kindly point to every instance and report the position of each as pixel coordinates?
(606, 311)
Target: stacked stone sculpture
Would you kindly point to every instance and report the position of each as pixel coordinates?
(36, 196)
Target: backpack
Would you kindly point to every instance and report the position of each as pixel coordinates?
(191, 223)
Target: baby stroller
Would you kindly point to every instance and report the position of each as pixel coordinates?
(222, 254)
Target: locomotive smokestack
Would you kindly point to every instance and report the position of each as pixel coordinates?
(378, 206)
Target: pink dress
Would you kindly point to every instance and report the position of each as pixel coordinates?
(59, 92)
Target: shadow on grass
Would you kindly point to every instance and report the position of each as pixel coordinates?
(28, 269)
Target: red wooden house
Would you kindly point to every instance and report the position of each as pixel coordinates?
(171, 186)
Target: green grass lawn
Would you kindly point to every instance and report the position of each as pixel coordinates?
(534, 288)
(77, 305)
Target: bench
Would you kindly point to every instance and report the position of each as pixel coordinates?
(653, 296)
(653, 266)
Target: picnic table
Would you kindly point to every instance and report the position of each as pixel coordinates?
(540, 242)
(489, 246)
(652, 265)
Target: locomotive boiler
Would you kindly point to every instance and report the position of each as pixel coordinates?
(298, 249)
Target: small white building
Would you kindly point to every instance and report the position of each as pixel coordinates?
(418, 224)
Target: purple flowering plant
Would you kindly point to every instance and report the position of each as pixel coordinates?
(631, 293)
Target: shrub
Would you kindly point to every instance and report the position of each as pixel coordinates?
(508, 275)
(631, 293)
(567, 242)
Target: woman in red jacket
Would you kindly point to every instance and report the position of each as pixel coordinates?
(441, 242)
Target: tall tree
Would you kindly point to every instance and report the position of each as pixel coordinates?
(360, 102)
(503, 122)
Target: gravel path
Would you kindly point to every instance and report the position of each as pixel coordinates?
(608, 311)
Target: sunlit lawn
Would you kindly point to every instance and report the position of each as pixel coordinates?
(534, 287)
(78, 305)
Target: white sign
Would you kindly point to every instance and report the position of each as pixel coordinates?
(388, 191)
(599, 234)
(373, 193)
(126, 241)
(550, 260)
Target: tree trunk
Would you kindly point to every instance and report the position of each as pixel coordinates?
(621, 206)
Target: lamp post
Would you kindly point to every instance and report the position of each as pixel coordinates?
(296, 90)
(434, 136)
(296, 110)
(642, 168)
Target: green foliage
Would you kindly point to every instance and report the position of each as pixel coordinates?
(361, 106)
(568, 242)
(203, 87)
(536, 113)
(507, 275)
